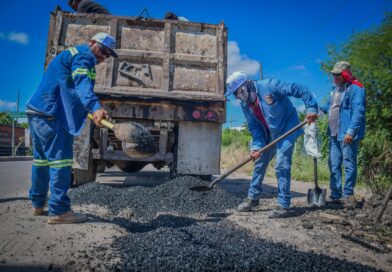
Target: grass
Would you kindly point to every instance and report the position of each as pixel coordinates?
(235, 149)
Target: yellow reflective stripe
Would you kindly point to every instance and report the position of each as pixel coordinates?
(93, 74)
(61, 165)
(73, 51)
(40, 162)
(61, 161)
(83, 71)
(79, 71)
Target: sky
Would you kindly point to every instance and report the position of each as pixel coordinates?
(289, 38)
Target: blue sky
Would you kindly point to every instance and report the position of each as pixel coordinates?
(288, 37)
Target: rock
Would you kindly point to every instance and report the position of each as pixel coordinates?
(358, 233)
(361, 216)
(307, 225)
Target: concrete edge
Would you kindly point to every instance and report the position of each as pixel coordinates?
(16, 158)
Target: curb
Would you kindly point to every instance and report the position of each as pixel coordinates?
(16, 158)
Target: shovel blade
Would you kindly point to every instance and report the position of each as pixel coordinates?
(200, 188)
(137, 141)
(317, 197)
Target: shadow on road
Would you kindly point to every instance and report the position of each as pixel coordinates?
(161, 221)
(10, 199)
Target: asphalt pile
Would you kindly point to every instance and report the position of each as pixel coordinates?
(145, 202)
(171, 228)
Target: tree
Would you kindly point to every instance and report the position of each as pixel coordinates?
(5, 118)
(370, 56)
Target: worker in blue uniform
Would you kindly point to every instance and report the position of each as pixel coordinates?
(269, 113)
(57, 112)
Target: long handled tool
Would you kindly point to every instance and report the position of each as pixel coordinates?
(239, 165)
(383, 205)
(316, 196)
(137, 141)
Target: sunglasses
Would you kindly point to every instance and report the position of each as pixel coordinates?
(104, 51)
(336, 75)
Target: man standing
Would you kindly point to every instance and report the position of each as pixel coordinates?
(346, 127)
(87, 6)
(57, 111)
(269, 114)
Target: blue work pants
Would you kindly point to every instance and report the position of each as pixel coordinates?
(52, 151)
(284, 154)
(339, 153)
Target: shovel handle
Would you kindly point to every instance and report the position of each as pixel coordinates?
(104, 122)
(265, 148)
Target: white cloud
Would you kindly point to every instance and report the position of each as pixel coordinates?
(298, 67)
(238, 62)
(18, 37)
(7, 105)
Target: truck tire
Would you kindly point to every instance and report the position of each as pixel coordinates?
(130, 166)
(80, 177)
(101, 166)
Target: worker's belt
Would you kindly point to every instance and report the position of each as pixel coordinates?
(30, 112)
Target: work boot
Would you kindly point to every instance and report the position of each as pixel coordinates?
(67, 218)
(335, 201)
(279, 212)
(38, 211)
(247, 205)
(350, 202)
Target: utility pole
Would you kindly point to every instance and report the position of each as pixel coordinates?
(13, 151)
(261, 71)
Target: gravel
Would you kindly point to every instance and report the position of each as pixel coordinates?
(171, 228)
(172, 196)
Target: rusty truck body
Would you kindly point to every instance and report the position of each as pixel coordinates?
(169, 77)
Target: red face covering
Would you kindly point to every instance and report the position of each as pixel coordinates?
(348, 77)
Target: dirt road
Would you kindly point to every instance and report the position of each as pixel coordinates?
(184, 232)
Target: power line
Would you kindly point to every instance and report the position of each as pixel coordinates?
(310, 59)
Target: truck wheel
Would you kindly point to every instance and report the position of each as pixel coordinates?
(130, 166)
(81, 177)
(101, 166)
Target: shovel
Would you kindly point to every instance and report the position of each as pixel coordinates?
(137, 141)
(228, 172)
(316, 196)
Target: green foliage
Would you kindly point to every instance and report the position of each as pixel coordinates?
(5, 118)
(237, 138)
(370, 56)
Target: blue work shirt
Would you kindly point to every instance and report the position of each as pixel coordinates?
(279, 112)
(66, 91)
(352, 119)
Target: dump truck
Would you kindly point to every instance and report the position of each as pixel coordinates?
(169, 78)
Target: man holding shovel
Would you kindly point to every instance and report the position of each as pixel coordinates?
(346, 127)
(57, 112)
(269, 114)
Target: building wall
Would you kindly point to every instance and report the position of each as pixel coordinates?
(6, 138)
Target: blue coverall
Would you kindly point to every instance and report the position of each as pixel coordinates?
(352, 120)
(57, 111)
(280, 116)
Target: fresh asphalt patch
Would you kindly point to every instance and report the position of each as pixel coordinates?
(171, 228)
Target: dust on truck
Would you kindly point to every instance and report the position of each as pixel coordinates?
(169, 77)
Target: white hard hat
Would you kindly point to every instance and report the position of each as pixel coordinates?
(234, 81)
